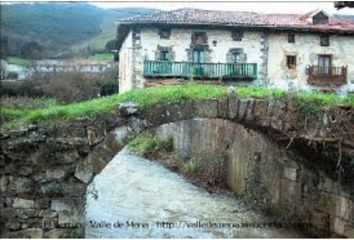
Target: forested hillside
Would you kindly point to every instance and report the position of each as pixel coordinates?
(44, 29)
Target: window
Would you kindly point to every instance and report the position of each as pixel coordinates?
(236, 57)
(199, 38)
(291, 38)
(320, 18)
(164, 55)
(291, 61)
(199, 56)
(324, 64)
(324, 40)
(237, 35)
(165, 33)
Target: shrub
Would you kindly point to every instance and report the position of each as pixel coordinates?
(147, 145)
(75, 86)
(192, 166)
(29, 88)
(12, 75)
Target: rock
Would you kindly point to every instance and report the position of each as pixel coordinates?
(48, 213)
(67, 214)
(242, 109)
(127, 109)
(25, 171)
(14, 226)
(3, 183)
(250, 112)
(343, 207)
(23, 203)
(28, 213)
(68, 189)
(59, 205)
(66, 233)
(59, 233)
(84, 174)
(29, 233)
(206, 109)
(233, 108)
(341, 227)
(231, 90)
(54, 174)
(8, 202)
(223, 108)
(290, 174)
(72, 218)
(50, 175)
(20, 184)
(42, 203)
(260, 113)
(69, 157)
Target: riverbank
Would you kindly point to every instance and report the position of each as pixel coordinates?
(203, 172)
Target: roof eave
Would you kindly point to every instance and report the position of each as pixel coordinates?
(296, 28)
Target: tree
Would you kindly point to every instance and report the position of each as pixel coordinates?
(111, 45)
(3, 46)
(31, 50)
(343, 4)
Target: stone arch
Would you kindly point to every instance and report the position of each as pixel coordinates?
(55, 198)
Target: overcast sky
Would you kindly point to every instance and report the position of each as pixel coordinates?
(259, 6)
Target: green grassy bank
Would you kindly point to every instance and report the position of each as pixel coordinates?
(17, 116)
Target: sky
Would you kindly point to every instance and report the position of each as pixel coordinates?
(255, 6)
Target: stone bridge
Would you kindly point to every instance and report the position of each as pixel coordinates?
(45, 169)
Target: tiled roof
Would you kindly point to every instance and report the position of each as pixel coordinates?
(229, 18)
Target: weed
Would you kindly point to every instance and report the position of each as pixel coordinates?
(192, 166)
(147, 145)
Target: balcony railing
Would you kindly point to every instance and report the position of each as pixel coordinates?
(327, 75)
(246, 71)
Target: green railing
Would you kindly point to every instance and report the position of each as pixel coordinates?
(200, 70)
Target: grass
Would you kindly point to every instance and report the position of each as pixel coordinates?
(101, 57)
(324, 99)
(150, 96)
(192, 166)
(260, 92)
(24, 102)
(146, 144)
(19, 61)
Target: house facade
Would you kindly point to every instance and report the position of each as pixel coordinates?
(313, 50)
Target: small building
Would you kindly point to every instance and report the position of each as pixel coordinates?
(313, 50)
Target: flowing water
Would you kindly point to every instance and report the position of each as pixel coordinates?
(134, 197)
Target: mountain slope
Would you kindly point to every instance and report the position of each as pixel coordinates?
(58, 26)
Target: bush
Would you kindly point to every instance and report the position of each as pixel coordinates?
(12, 75)
(192, 166)
(29, 88)
(148, 145)
(77, 86)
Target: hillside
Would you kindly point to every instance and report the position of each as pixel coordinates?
(56, 27)
(109, 25)
(345, 16)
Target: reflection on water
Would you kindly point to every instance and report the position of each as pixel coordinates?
(137, 198)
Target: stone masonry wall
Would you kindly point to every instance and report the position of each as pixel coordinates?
(262, 171)
(45, 169)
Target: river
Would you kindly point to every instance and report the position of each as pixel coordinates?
(134, 197)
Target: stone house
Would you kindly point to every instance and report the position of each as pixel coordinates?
(314, 50)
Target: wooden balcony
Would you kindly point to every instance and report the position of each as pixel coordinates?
(321, 76)
(244, 71)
